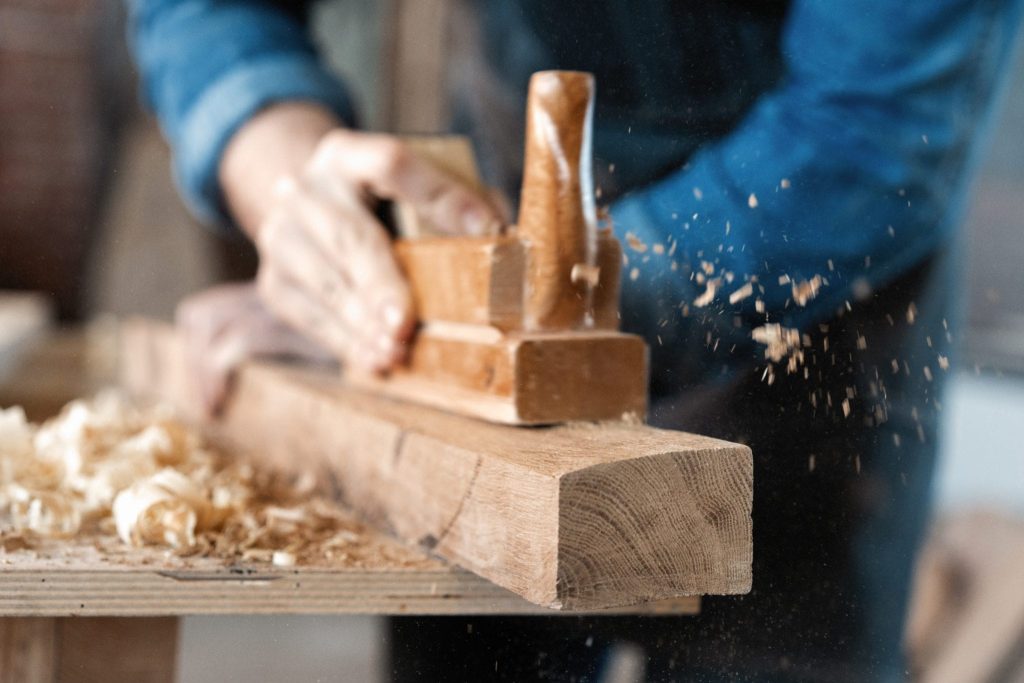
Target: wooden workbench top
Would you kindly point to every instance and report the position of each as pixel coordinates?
(101, 577)
(89, 578)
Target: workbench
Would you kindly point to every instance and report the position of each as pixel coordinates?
(125, 602)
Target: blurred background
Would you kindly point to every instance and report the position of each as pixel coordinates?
(89, 215)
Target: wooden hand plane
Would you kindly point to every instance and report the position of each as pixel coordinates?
(522, 327)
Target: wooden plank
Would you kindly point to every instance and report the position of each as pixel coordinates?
(571, 517)
(470, 280)
(79, 579)
(521, 378)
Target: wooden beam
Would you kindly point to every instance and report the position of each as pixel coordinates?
(572, 517)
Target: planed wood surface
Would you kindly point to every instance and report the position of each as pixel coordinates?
(469, 280)
(522, 378)
(557, 214)
(571, 517)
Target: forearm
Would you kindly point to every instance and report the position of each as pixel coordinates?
(275, 143)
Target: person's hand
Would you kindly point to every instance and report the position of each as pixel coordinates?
(326, 265)
(226, 325)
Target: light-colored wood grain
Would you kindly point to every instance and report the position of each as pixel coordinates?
(522, 378)
(572, 517)
(557, 215)
(471, 280)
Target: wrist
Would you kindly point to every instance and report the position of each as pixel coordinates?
(276, 142)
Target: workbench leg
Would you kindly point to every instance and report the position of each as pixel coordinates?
(88, 649)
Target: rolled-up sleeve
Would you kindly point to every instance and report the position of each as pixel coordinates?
(207, 66)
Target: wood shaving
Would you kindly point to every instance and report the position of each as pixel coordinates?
(806, 290)
(709, 294)
(781, 343)
(635, 243)
(106, 469)
(741, 293)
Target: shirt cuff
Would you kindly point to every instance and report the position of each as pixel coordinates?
(227, 104)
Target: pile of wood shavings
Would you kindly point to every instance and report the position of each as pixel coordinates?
(104, 467)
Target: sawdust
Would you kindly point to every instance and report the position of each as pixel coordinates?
(106, 469)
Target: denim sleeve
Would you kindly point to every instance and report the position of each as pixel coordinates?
(208, 65)
(853, 168)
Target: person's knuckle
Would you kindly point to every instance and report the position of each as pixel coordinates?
(332, 143)
(395, 157)
(266, 284)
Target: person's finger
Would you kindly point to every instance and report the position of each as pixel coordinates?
(389, 169)
(249, 335)
(290, 301)
(201, 319)
(367, 261)
(362, 311)
(356, 276)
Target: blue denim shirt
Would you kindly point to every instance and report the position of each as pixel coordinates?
(850, 160)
